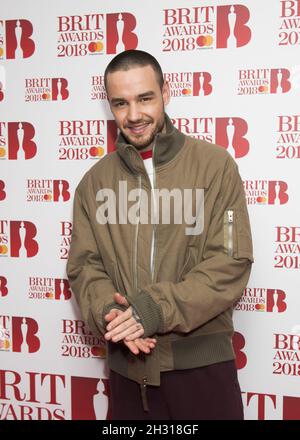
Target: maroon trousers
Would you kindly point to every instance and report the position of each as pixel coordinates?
(205, 393)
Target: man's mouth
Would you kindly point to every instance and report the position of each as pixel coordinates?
(138, 129)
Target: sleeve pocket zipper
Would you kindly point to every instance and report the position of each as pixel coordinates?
(229, 231)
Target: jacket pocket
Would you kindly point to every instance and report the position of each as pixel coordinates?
(237, 234)
(189, 263)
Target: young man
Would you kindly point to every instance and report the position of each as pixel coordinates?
(161, 292)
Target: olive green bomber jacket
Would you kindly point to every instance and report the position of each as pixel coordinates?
(186, 301)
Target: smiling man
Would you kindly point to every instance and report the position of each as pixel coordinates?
(161, 298)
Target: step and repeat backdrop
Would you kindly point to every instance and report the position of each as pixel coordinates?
(234, 75)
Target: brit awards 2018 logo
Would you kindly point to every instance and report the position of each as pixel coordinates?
(17, 140)
(18, 239)
(288, 137)
(189, 83)
(47, 190)
(287, 251)
(46, 288)
(3, 286)
(32, 395)
(262, 81)
(2, 191)
(19, 334)
(258, 299)
(16, 39)
(205, 27)
(98, 91)
(79, 342)
(46, 89)
(65, 242)
(86, 139)
(266, 192)
(96, 34)
(229, 132)
(289, 30)
(287, 354)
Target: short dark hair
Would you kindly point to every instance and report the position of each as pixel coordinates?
(134, 58)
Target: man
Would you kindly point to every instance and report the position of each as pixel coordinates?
(160, 292)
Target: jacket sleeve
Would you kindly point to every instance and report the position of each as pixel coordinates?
(217, 282)
(88, 279)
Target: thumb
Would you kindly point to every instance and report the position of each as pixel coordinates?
(120, 299)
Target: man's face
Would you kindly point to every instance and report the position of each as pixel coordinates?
(137, 103)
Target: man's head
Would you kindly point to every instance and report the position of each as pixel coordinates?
(137, 95)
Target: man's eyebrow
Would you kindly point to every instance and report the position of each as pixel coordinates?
(141, 95)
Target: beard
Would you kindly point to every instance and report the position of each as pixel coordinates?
(143, 140)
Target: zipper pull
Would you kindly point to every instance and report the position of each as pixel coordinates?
(144, 394)
(230, 216)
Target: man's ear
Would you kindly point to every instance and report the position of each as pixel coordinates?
(166, 93)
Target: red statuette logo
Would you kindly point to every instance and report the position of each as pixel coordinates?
(96, 34)
(3, 286)
(287, 251)
(189, 83)
(289, 34)
(18, 239)
(205, 27)
(47, 190)
(90, 399)
(46, 89)
(266, 192)
(2, 190)
(229, 132)
(16, 39)
(49, 289)
(264, 81)
(17, 140)
(258, 299)
(20, 334)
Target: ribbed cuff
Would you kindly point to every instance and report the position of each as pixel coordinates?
(149, 312)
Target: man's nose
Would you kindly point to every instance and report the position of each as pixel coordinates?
(134, 113)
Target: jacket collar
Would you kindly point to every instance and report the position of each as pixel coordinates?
(166, 146)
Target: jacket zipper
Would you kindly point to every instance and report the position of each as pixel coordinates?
(155, 207)
(230, 232)
(136, 238)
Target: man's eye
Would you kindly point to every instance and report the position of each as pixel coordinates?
(120, 104)
(146, 99)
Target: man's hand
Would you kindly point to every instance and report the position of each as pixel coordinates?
(123, 326)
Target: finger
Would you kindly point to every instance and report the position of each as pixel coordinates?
(138, 333)
(112, 314)
(123, 316)
(132, 347)
(140, 343)
(131, 333)
(120, 299)
(124, 327)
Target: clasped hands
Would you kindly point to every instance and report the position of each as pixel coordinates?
(124, 326)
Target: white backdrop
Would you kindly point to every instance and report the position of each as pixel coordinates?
(234, 73)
